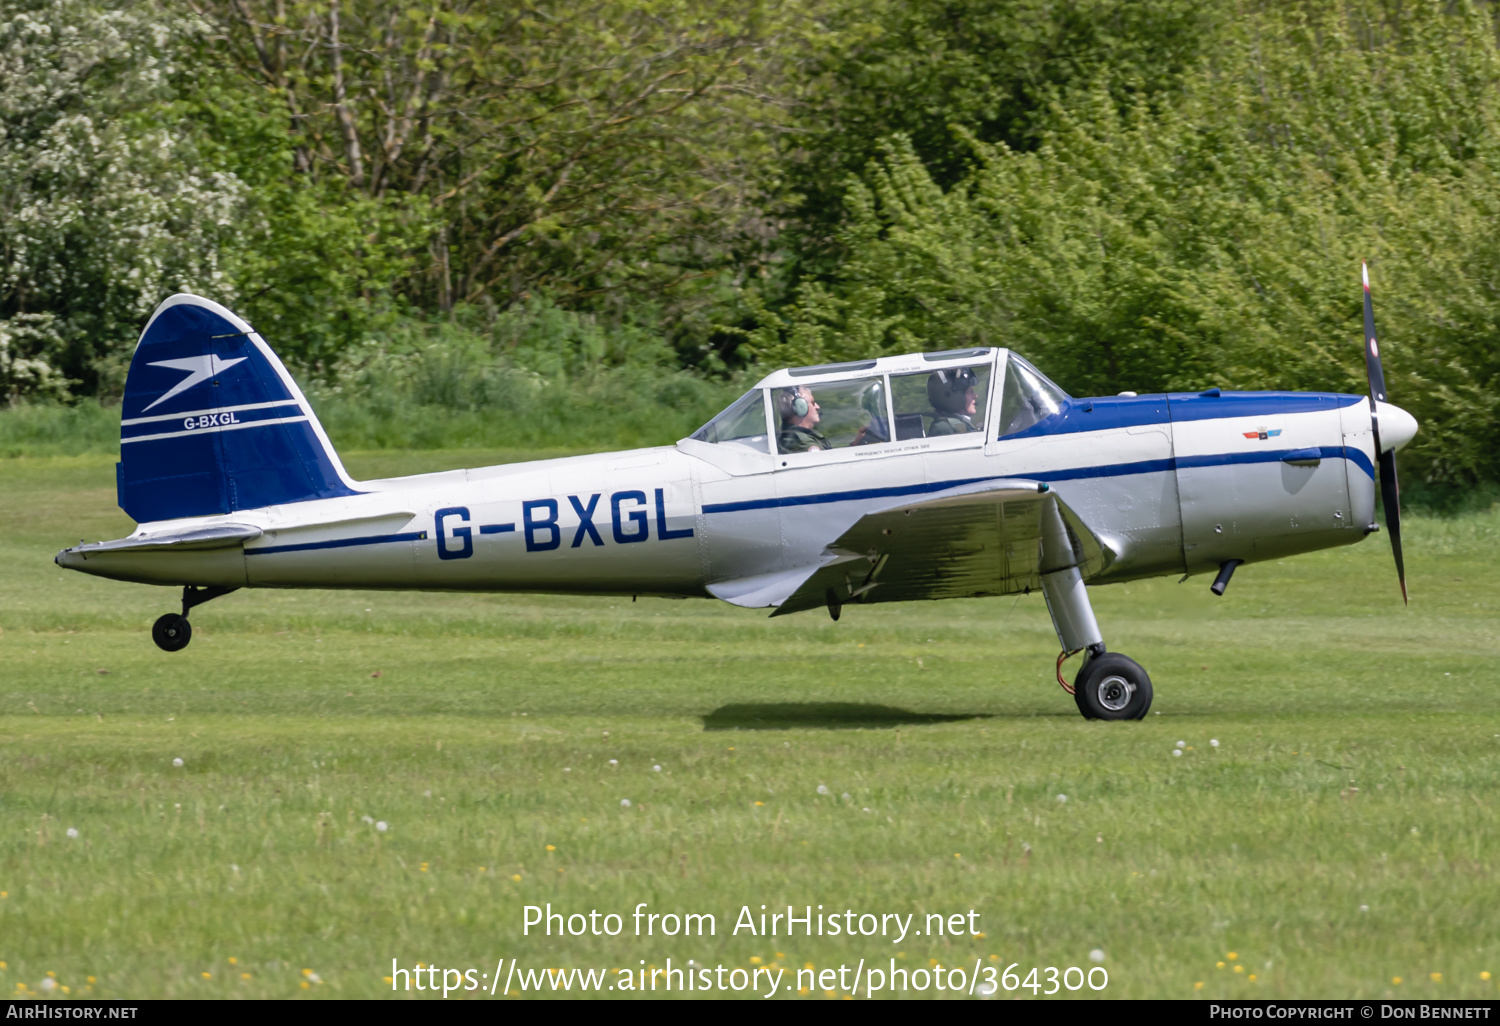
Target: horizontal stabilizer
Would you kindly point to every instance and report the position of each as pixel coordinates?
(220, 536)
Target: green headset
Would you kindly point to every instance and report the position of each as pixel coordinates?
(794, 403)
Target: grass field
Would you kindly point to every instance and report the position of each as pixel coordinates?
(1340, 837)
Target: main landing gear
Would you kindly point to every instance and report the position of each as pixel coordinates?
(1110, 686)
(171, 631)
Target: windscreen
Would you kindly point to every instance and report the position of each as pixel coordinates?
(1027, 396)
(743, 423)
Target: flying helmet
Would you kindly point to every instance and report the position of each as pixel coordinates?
(946, 388)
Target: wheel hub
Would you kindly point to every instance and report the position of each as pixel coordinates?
(1115, 692)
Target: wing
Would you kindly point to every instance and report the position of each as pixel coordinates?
(983, 539)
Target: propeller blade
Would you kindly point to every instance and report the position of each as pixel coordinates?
(1390, 502)
(1390, 490)
(1373, 370)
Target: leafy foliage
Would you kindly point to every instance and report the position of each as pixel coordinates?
(103, 209)
(534, 219)
(1217, 239)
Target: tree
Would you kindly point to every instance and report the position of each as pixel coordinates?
(1215, 239)
(104, 209)
(558, 146)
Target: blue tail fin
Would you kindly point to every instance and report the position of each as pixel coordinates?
(213, 423)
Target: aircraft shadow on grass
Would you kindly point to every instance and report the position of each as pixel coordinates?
(824, 715)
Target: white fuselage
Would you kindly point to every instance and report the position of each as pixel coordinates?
(1170, 484)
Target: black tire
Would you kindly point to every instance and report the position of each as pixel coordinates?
(171, 632)
(1112, 687)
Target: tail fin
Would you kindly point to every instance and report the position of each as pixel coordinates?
(212, 421)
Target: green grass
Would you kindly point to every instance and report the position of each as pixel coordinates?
(483, 740)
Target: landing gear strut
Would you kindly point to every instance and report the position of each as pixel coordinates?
(171, 631)
(1110, 686)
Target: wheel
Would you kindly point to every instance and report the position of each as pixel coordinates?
(171, 632)
(1112, 687)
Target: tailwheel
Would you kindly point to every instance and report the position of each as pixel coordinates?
(1112, 687)
(171, 632)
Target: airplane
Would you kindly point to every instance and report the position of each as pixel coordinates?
(958, 473)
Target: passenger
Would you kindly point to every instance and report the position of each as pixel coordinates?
(954, 395)
(798, 413)
(872, 400)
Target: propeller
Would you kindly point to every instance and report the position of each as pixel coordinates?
(1390, 492)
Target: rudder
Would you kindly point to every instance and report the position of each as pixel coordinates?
(213, 423)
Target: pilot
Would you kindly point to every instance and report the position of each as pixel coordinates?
(953, 395)
(799, 414)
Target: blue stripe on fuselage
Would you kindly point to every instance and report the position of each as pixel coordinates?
(339, 543)
(1122, 411)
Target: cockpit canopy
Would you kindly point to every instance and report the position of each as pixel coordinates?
(887, 401)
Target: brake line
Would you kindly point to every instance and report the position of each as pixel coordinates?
(1061, 657)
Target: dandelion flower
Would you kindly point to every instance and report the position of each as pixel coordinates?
(516, 877)
(551, 847)
(1485, 975)
(758, 804)
(177, 763)
(244, 976)
(1239, 968)
(1396, 981)
(822, 788)
(1198, 985)
(1097, 955)
(73, 833)
(624, 803)
(382, 826)
(1218, 965)
(207, 976)
(1252, 977)
(1231, 956)
(1435, 977)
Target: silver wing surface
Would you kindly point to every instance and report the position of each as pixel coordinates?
(980, 539)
